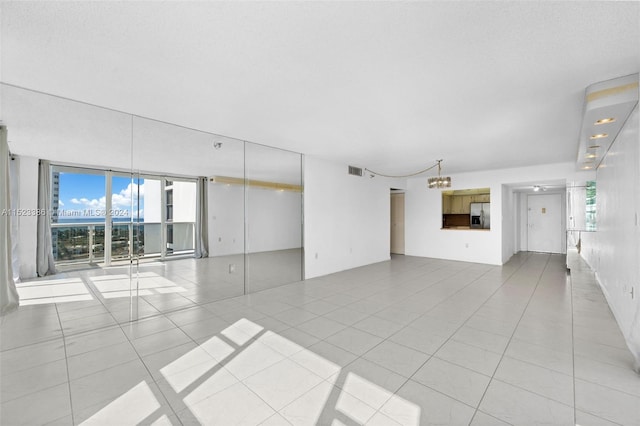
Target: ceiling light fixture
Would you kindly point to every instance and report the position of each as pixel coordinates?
(433, 182)
(605, 121)
(439, 181)
(599, 136)
(590, 156)
(536, 188)
(594, 147)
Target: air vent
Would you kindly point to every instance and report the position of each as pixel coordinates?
(355, 171)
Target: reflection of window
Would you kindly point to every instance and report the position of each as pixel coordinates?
(591, 206)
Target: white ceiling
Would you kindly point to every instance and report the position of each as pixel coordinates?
(391, 86)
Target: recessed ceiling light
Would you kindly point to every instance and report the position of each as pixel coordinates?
(605, 121)
(599, 136)
(590, 156)
(586, 167)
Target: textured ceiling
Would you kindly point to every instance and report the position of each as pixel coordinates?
(391, 86)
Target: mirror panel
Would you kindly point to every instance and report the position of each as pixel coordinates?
(274, 217)
(187, 230)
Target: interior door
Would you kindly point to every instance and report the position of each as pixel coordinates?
(545, 223)
(397, 223)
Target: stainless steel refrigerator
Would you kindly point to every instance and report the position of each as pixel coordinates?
(480, 215)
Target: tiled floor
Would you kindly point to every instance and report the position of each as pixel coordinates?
(412, 341)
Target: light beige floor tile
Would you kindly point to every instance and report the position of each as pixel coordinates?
(91, 362)
(39, 407)
(398, 358)
(604, 374)
(378, 326)
(607, 403)
(426, 342)
(282, 383)
(236, 406)
(321, 327)
(415, 404)
(324, 359)
(368, 382)
(355, 341)
(482, 419)
(459, 383)
(43, 376)
(517, 406)
(542, 356)
(471, 357)
(545, 382)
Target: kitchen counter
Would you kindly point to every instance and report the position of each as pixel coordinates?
(464, 228)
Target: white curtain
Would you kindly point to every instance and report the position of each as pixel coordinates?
(44, 254)
(202, 233)
(8, 294)
(14, 164)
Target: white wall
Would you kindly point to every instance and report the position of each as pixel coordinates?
(273, 222)
(613, 251)
(509, 220)
(226, 219)
(28, 225)
(424, 236)
(347, 218)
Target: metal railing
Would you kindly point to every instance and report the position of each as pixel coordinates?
(78, 242)
(85, 242)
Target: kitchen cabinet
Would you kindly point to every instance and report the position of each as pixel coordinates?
(446, 204)
(482, 198)
(460, 204)
(457, 204)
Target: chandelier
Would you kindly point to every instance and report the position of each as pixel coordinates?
(434, 182)
(439, 181)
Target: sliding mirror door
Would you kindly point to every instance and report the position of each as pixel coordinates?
(273, 218)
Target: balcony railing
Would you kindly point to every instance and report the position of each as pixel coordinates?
(78, 242)
(85, 242)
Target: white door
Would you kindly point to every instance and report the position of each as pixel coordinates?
(545, 223)
(397, 223)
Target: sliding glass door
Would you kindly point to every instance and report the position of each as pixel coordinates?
(78, 204)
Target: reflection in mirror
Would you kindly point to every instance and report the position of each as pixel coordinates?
(274, 217)
(466, 209)
(85, 151)
(182, 216)
(150, 217)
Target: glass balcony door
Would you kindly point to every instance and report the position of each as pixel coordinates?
(78, 219)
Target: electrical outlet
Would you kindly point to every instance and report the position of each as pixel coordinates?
(232, 268)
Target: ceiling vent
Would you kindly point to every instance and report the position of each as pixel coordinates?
(355, 171)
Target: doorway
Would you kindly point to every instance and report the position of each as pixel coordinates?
(397, 223)
(544, 231)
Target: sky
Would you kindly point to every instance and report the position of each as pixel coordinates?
(82, 192)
